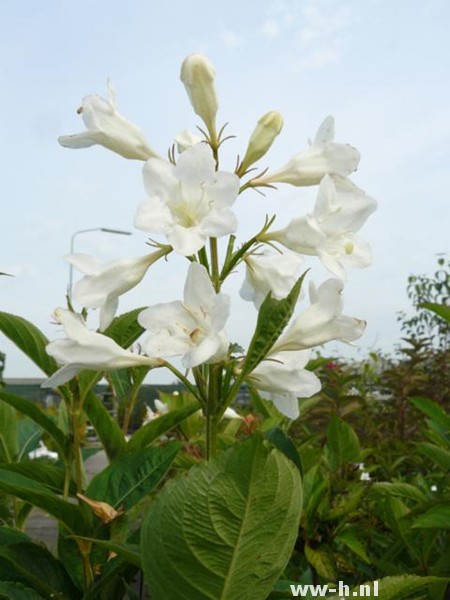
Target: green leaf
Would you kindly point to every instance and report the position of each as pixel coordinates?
(439, 309)
(29, 339)
(16, 591)
(432, 410)
(157, 427)
(396, 588)
(28, 435)
(125, 329)
(280, 440)
(351, 537)
(8, 536)
(49, 475)
(106, 427)
(440, 456)
(129, 478)
(31, 491)
(129, 552)
(342, 442)
(33, 565)
(403, 490)
(226, 530)
(273, 317)
(322, 561)
(436, 517)
(9, 447)
(32, 410)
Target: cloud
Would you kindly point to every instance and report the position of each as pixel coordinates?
(230, 39)
(271, 28)
(317, 29)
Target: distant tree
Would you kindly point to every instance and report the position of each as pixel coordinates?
(425, 325)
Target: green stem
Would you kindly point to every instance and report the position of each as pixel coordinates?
(211, 408)
(183, 379)
(215, 276)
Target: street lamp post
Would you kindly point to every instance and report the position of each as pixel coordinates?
(72, 244)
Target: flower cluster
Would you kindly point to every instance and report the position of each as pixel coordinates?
(189, 202)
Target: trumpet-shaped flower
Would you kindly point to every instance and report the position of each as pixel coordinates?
(188, 202)
(266, 273)
(185, 140)
(329, 232)
(85, 349)
(283, 379)
(108, 128)
(105, 282)
(322, 321)
(324, 156)
(194, 328)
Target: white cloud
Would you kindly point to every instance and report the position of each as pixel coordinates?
(271, 28)
(230, 39)
(317, 29)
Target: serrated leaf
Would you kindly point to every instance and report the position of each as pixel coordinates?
(129, 478)
(226, 530)
(32, 410)
(342, 443)
(31, 491)
(28, 338)
(273, 317)
(157, 427)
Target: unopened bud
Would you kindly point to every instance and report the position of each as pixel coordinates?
(198, 75)
(262, 138)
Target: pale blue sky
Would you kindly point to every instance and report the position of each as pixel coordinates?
(379, 66)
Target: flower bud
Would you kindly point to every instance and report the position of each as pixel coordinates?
(198, 74)
(262, 138)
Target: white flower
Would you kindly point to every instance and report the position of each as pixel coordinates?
(150, 415)
(323, 157)
(85, 349)
(322, 321)
(161, 407)
(230, 413)
(276, 273)
(185, 140)
(282, 378)
(108, 128)
(192, 328)
(42, 451)
(434, 488)
(105, 282)
(365, 476)
(188, 202)
(198, 76)
(329, 232)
